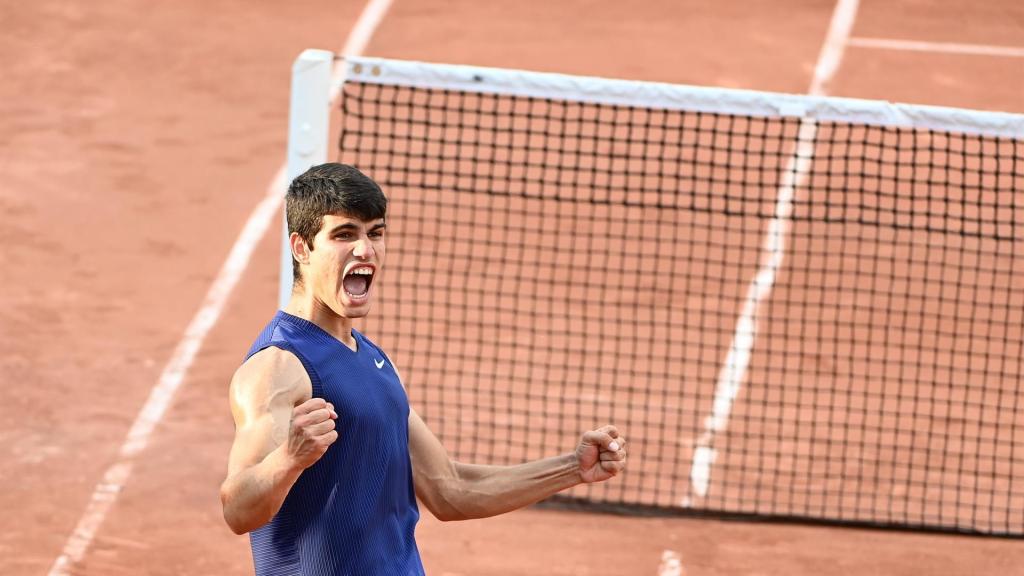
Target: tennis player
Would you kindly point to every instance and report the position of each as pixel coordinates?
(328, 458)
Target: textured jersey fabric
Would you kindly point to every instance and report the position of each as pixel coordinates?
(353, 513)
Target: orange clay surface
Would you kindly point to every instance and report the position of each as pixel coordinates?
(135, 139)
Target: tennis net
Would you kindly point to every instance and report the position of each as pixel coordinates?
(793, 307)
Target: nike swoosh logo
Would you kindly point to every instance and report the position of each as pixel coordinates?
(379, 363)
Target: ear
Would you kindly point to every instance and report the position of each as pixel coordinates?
(300, 251)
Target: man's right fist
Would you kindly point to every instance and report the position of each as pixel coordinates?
(311, 431)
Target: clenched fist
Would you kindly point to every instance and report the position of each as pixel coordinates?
(601, 454)
(311, 431)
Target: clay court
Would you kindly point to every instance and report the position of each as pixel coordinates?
(139, 139)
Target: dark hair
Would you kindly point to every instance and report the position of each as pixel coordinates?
(330, 188)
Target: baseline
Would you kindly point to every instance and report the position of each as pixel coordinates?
(936, 47)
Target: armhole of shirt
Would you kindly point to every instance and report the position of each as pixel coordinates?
(314, 377)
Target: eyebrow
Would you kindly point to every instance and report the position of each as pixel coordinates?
(345, 226)
(348, 226)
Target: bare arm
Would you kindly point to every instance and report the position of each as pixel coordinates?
(456, 491)
(279, 431)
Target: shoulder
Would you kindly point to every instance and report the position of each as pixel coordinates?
(272, 371)
(271, 359)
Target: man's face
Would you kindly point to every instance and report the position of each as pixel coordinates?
(345, 262)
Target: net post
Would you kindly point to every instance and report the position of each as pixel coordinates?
(308, 121)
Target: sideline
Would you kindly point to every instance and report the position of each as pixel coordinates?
(671, 564)
(734, 369)
(107, 490)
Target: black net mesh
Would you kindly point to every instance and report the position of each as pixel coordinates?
(554, 266)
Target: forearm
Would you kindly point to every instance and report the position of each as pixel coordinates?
(478, 491)
(253, 496)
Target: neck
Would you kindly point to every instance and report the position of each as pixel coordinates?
(307, 306)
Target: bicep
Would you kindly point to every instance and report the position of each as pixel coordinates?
(430, 461)
(263, 394)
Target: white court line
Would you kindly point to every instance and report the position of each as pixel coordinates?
(671, 564)
(734, 370)
(941, 47)
(107, 490)
(116, 476)
(832, 50)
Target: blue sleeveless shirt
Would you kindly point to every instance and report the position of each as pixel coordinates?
(353, 512)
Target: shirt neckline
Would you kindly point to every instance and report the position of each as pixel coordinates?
(324, 333)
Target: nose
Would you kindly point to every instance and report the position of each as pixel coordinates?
(363, 249)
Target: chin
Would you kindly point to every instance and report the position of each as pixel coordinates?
(357, 312)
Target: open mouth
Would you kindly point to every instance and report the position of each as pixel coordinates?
(357, 281)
